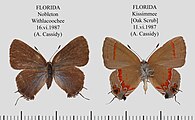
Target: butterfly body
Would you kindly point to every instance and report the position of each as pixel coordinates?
(129, 71)
(50, 75)
(146, 73)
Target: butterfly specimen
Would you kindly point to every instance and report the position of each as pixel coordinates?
(36, 71)
(158, 69)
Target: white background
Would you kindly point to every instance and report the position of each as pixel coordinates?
(95, 20)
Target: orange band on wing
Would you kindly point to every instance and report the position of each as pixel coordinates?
(114, 52)
(173, 49)
(169, 73)
(122, 81)
(120, 75)
(165, 85)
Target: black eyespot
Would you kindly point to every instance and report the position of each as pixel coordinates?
(116, 91)
(173, 90)
(124, 98)
(166, 95)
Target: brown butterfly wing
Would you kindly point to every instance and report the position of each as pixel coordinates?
(124, 81)
(75, 53)
(165, 80)
(33, 77)
(29, 82)
(116, 55)
(66, 75)
(23, 56)
(172, 54)
(70, 79)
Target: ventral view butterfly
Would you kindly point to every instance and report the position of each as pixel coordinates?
(158, 69)
(36, 72)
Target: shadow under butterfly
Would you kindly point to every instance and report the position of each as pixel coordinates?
(36, 71)
(158, 69)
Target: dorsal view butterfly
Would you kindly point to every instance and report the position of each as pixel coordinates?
(130, 71)
(36, 71)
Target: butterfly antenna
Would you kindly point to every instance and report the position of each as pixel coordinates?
(112, 100)
(153, 51)
(83, 96)
(134, 52)
(55, 53)
(18, 100)
(109, 92)
(176, 100)
(37, 49)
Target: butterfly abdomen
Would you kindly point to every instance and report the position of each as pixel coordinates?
(50, 75)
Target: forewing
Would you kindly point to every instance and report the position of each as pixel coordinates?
(23, 56)
(172, 54)
(70, 79)
(124, 81)
(165, 80)
(116, 55)
(75, 53)
(29, 82)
